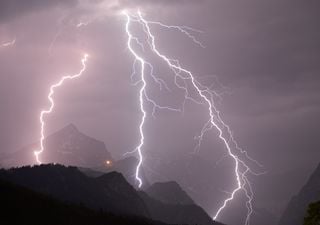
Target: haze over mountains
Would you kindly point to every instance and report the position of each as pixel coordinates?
(103, 182)
(67, 146)
(95, 183)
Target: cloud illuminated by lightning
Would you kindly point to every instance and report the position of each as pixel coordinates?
(45, 112)
(8, 44)
(207, 96)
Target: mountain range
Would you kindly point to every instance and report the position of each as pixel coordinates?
(195, 174)
(21, 205)
(109, 193)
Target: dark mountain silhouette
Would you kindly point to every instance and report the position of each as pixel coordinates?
(169, 192)
(20, 205)
(197, 176)
(297, 207)
(176, 213)
(67, 146)
(127, 167)
(275, 189)
(172, 204)
(167, 201)
(108, 192)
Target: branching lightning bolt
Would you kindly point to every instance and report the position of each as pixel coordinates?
(52, 104)
(207, 96)
(143, 96)
(184, 80)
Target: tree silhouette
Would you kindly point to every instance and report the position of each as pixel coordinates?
(313, 216)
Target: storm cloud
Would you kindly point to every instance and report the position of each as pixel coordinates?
(266, 52)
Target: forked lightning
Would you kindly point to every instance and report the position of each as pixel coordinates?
(45, 112)
(184, 80)
(239, 156)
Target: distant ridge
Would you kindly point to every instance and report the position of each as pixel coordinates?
(169, 192)
(109, 192)
(67, 146)
(126, 166)
(297, 207)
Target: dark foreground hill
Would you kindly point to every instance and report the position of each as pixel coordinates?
(20, 205)
(126, 167)
(176, 213)
(108, 192)
(169, 192)
(169, 203)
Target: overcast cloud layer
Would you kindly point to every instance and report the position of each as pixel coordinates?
(266, 52)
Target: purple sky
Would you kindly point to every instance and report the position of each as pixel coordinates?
(266, 52)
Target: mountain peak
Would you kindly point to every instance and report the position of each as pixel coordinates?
(70, 128)
(169, 192)
(67, 146)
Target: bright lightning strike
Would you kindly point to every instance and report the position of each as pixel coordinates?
(207, 96)
(141, 96)
(52, 104)
(189, 83)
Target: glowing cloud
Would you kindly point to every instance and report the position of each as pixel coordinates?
(8, 44)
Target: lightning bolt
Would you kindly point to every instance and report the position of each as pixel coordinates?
(8, 44)
(141, 96)
(184, 80)
(45, 112)
(207, 96)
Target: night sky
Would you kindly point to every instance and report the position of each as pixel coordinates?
(265, 55)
